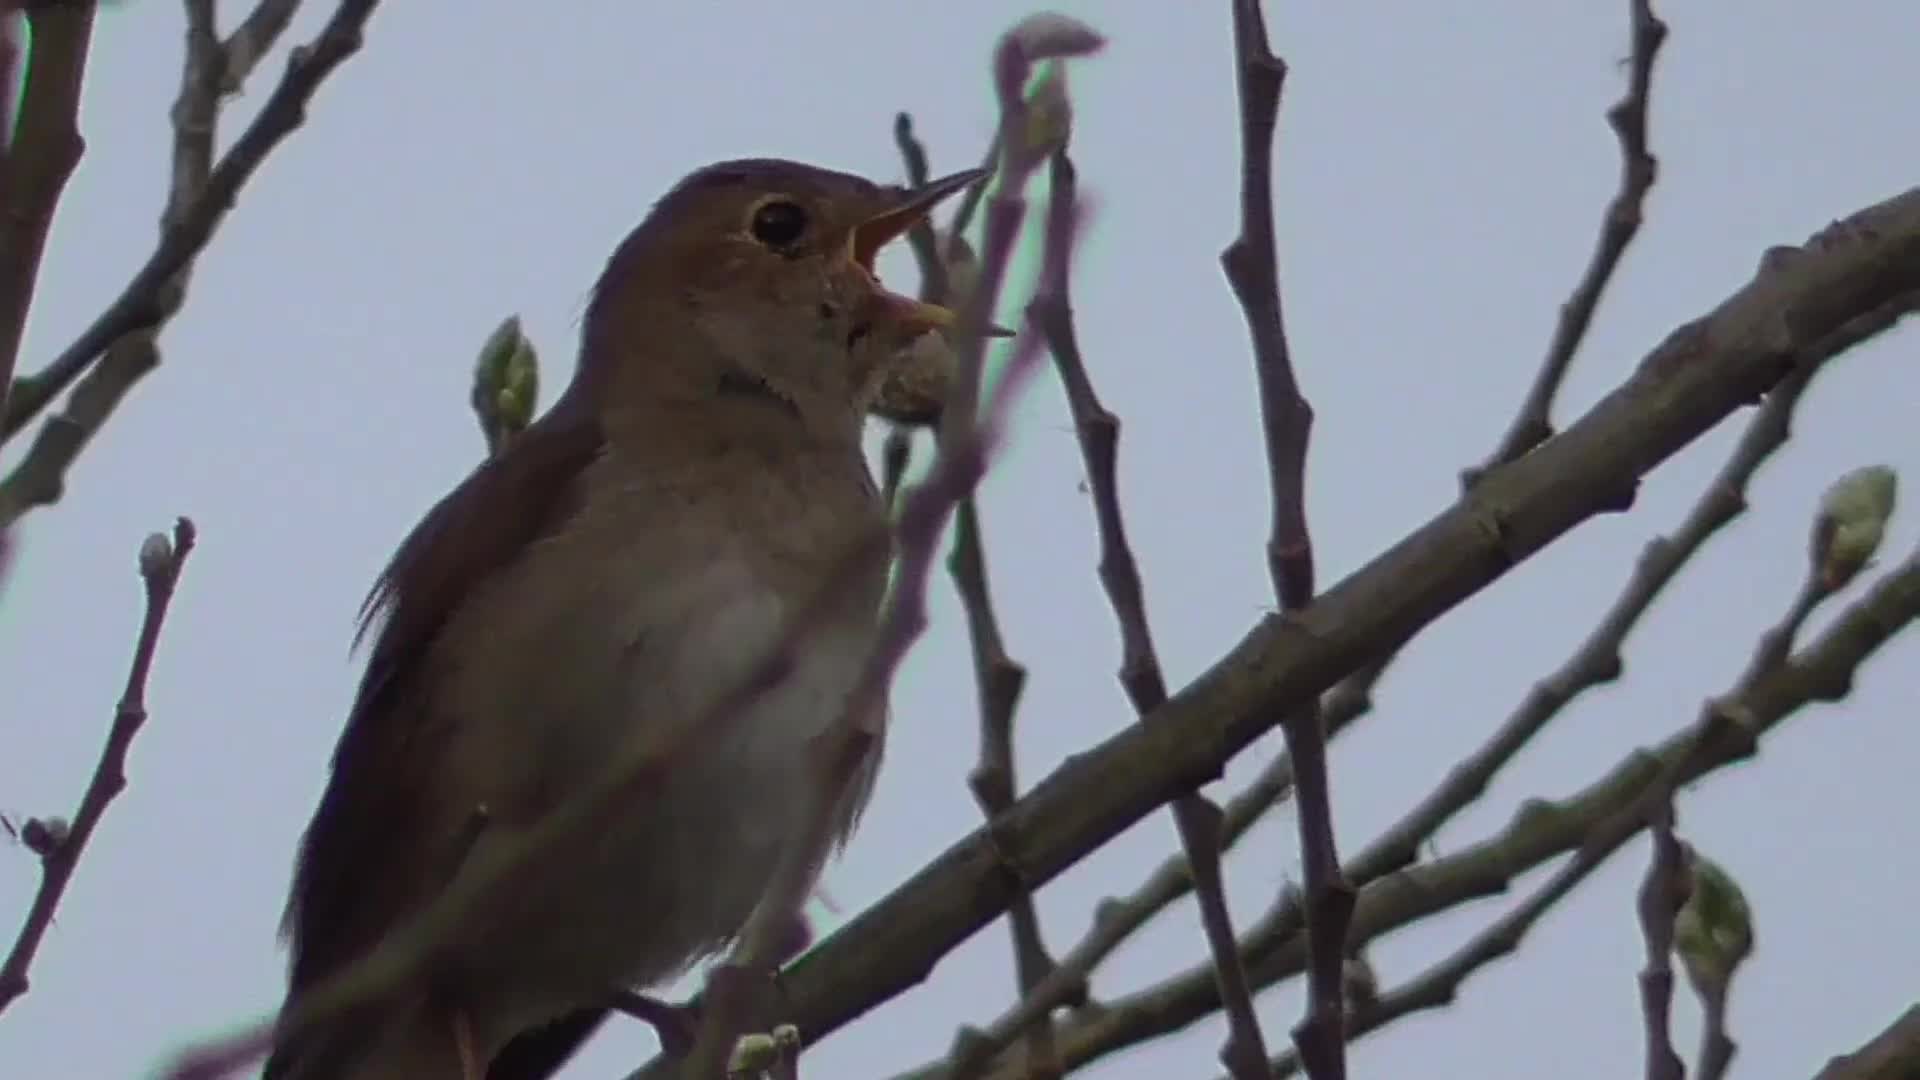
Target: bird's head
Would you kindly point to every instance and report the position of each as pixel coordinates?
(757, 277)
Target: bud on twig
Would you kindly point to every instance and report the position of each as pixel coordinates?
(156, 551)
(44, 836)
(1852, 521)
(506, 384)
(1713, 932)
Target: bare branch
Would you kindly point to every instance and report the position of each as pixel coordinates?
(926, 247)
(146, 300)
(1252, 267)
(994, 781)
(1198, 820)
(44, 147)
(1628, 119)
(160, 564)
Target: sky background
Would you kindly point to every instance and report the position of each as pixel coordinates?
(1440, 173)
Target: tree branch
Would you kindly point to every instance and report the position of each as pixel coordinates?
(1662, 892)
(1628, 119)
(160, 564)
(147, 299)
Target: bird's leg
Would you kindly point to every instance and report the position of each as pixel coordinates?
(677, 1025)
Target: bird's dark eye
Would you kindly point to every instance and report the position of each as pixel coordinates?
(778, 224)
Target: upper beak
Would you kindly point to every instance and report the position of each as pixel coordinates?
(915, 316)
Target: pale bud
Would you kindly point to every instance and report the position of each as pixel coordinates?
(1852, 522)
(1049, 112)
(1713, 932)
(156, 551)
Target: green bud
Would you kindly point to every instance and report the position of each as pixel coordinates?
(1852, 522)
(506, 384)
(1713, 932)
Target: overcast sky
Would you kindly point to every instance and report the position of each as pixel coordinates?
(1440, 176)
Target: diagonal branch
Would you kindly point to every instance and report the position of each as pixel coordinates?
(1628, 119)
(160, 564)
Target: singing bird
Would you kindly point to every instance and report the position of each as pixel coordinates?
(600, 582)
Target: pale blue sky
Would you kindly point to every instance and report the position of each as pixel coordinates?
(1440, 173)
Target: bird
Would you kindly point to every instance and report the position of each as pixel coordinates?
(598, 584)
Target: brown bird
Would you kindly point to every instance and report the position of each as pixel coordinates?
(601, 581)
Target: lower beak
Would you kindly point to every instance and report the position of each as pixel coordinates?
(915, 317)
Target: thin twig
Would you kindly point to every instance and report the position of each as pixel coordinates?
(1196, 817)
(1638, 167)
(997, 677)
(994, 781)
(160, 564)
(144, 301)
(921, 238)
(1252, 267)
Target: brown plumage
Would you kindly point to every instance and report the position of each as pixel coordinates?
(598, 583)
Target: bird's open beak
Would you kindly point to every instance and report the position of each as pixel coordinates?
(914, 316)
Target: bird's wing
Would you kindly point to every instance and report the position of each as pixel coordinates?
(354, 878)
